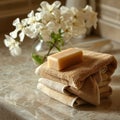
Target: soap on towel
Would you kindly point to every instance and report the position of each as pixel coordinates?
(88, 80)
(74, 75)
(65, 58)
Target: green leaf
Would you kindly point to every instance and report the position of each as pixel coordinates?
(50, 43)
(38, 59)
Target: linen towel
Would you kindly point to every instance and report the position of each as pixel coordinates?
(65, 88)
(66, 94)
(89, 90)
(84, 80)
(70, 100)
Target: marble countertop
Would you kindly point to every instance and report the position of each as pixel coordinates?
(20, 100)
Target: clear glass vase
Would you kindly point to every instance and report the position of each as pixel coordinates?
(41, 49)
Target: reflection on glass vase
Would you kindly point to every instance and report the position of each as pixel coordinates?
(41, 49)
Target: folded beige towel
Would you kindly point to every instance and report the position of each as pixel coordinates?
(70, 100)
(67, 89)
(92, 64)
(89, 90)
(84, 80)
(66, 94)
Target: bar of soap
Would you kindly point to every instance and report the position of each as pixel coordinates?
(65, 58)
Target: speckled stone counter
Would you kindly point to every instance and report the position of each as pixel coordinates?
(20, 100)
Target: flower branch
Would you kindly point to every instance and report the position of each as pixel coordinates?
(52, 23)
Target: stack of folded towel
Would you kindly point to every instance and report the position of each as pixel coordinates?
(86, 82)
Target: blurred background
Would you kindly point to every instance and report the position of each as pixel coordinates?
(11, 9)
(108, 13)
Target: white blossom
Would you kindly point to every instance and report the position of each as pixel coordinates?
(13, 45)
(45, 34)
(49, 12)
(45, 6)
(16, 51)
(32, 31)
(19, 28)
(90, 17)
(51, 26)
(67, 33)
(48, 19)
(65, 14)
(32, 18)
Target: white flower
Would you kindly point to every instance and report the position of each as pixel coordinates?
(47, 24)
(16, 51)
(65, 14)
(45, 6)
(46, 17)
(78, 22)
(48, 12)
(20, 27)
(38, 16)
(51, 26)
(32, 18)
(90, 17)
(45, 34)
(13, 45)
(33, 30)
(78, 29)
(73, 22)
(67, 33)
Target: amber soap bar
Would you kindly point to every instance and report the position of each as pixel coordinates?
(65, 58)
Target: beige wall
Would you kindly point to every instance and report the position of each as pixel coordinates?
(109, 19)
(11, 9)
